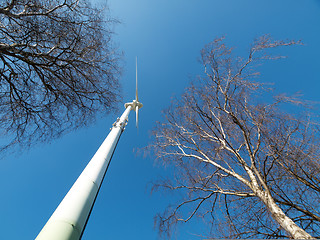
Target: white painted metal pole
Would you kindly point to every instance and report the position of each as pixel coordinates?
(70, 218)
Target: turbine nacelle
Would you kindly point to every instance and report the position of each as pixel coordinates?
(134, 105)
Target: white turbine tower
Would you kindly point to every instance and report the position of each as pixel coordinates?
(70, 218)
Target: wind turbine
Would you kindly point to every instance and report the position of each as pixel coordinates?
(136, 105)
(71, 216)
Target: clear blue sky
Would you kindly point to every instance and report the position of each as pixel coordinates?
(167, 37)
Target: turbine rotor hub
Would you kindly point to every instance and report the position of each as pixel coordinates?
(134, 104)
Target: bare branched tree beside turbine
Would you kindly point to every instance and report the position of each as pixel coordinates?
(248, 167)
(58, 68)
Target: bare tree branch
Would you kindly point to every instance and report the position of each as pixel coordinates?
(239, 157)
(58, 68)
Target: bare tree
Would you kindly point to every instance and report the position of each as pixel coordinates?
(58, 68)
(251, 169)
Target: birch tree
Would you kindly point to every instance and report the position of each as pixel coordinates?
(243, 162)
(58, 68)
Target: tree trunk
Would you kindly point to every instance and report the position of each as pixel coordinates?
(278, 215)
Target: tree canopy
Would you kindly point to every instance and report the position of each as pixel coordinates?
(58, 68)
(243, 162)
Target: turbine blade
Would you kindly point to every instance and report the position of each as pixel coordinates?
(137, 99)
(137, 116)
